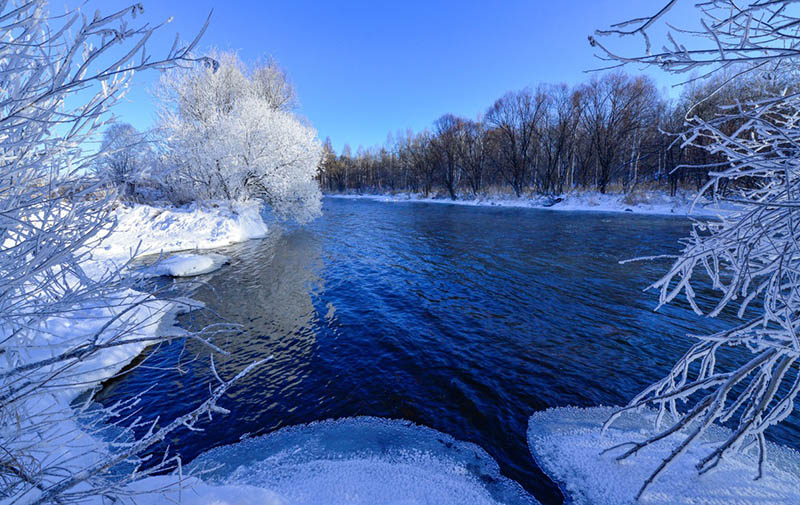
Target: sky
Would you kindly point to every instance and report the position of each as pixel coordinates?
(364, 69)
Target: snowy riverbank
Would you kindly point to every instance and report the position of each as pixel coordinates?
(361, 461)
(652, 203)
(64, 435)
(568, 445)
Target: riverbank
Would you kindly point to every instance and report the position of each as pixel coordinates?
(62, 434)
(380, 462)
(650, 203)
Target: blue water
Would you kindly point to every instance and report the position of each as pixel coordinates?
(463, 319)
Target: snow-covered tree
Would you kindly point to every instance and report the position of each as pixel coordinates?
(229, 136)
(126, 157)
(750, 256)
(60, 74)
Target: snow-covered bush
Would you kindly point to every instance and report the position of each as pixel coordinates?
(750, 257)
(64, 328)
(228, 136)
(126, 156)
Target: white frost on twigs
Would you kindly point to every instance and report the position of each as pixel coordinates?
(568, 444)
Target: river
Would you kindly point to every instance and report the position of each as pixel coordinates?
(462, 319)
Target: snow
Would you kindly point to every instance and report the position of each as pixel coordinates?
(142, 229)
(49, 427)
(187, 265)
(363, 460)
(567, 442)
(193, 491)
(650, 203)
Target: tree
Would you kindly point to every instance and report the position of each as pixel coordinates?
(273, 86)
(448, 143)
(61, 74)
(558, 138)
(229, 137)
(615, 109)
(750, 255)
(516, 118)
(473, 153)
(126, 156)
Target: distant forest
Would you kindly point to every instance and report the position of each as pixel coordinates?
(614, 133)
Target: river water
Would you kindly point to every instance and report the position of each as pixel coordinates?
(462, 319)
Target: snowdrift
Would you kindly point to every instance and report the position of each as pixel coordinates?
(566, 443)
(142, 229)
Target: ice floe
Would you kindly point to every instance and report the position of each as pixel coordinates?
(187, 264)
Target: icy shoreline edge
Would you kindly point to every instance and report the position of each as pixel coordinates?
(567, 444)
(651, 203)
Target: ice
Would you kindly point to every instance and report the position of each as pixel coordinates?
(163, 489)
(566, 443)
(362, 460)
(187, 265)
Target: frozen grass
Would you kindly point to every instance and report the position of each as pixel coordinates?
(567, 444)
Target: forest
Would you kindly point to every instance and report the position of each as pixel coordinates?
(615, 133)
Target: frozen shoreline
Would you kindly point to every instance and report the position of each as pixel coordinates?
(69, 443)
(650, 203)
(568, 445)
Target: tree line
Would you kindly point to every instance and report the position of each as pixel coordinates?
(616, 132)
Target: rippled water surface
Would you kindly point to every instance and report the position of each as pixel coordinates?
(463, 319)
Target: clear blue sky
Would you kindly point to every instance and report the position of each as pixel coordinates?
(365, 68)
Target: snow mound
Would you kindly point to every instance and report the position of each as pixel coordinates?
(362, 461)
(187, 265)
(142, 229)
(566, 443)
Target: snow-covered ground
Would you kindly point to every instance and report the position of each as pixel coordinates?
(655, 203)
(144, 230)
(68, 443)
(567, 442)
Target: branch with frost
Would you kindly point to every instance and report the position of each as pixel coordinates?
(63, 326)
(153, 436)
(746, 377)
(730, 33)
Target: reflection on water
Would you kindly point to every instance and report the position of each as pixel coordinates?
(462, 319)
(268, 290)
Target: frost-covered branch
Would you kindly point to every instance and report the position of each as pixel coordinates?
(749, 257)
(65, 323)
